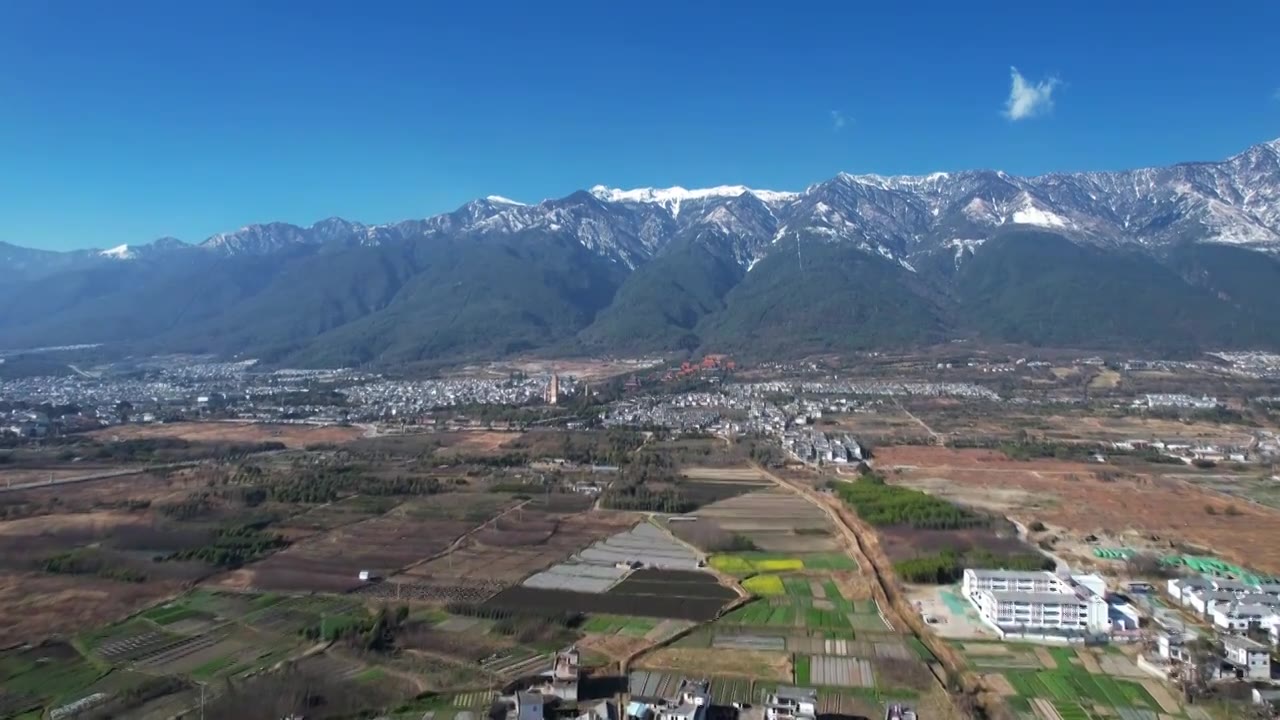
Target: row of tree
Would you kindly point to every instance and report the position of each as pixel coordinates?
(881, 504)
(948, 566)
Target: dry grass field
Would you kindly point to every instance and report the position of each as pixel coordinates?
(749, 663)
(747, 475)
(333, 561)
(293, 436)
(964, 423)
(1073, 496)
(34, 606)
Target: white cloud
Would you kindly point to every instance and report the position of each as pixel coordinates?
(1027, 99)
(838, 120)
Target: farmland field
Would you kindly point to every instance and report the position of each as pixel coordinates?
(774, 521)
(475, 571)
(1073, 496)
(750, 563)
(681, 595)
(293, 436)
(332, 561)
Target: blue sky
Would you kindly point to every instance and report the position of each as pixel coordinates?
(123, 122)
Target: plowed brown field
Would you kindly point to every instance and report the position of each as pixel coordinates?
(1071, 495)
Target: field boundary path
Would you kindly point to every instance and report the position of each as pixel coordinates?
(105, 475)
(860, 541)
(937, 437)
(458, 541)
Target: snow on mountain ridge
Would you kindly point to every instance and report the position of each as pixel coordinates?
(672, 197)
(120, 252)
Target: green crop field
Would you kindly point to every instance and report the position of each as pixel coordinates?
(798, 586)
(53, 673)
(170, 614)
(1070, 710)
(823, 619)
(802, 665)
(791, 602)
(619, 625)
(1073, 685)
(213, 668)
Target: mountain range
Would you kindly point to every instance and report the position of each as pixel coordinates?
(1177, 258)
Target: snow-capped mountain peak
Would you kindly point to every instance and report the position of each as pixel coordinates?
(1234, 201)
(120, 252)
(672, 197)
(499, 200)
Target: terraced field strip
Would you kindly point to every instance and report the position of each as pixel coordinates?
(176, 650)
(619, 625)
(1045, 709)
(825, 619)
(1074, 684)
(1136, 714)
(170, 614)
(1070, 710)
(515, 662)
(750, 642)
(828, 671)
(652, 685)
(725, 691)
(478, 700)
(798, 586)
(803, 669)
(125, 649)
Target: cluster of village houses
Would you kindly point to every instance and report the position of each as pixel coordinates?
(813, 446)
(557, 693)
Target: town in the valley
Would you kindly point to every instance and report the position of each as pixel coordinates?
(889, 536)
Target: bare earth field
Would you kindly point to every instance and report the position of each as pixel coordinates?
(488, 559)
(1071, 495)
(333, 561)
(725, 474)
(293, 436)
(771, 519)
(87, 496)
(480, 442)
(961, 422)
(583, 369)
(24, 477)
(750, 663)
(884, 422)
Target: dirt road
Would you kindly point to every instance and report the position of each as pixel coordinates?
(103, 475)
(863, 545)
(937, 438)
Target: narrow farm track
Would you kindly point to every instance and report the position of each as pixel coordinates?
(937, 438)
(458, 541)
(862, 544)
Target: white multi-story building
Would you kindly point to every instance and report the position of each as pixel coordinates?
(1011, 581)
(1038, 603)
